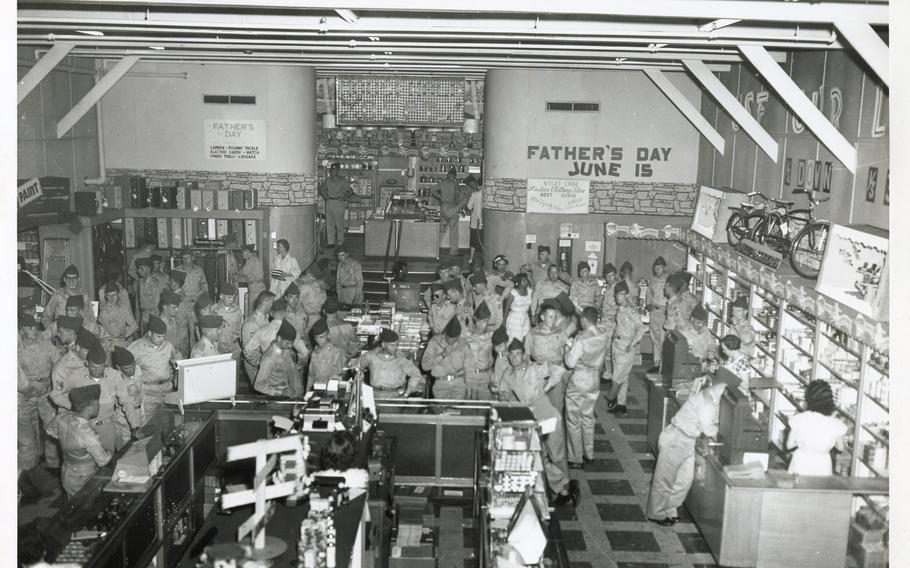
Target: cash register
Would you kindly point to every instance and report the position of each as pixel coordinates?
(738, 430)
(678, 363)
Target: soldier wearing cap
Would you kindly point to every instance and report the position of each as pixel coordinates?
(584, 291)
(37, 357)
(251, 274)
(656, 303)
(527, 383)
(259, 316)
(313, 286)
(545, 345)
(546, 289)
(150, 288)
(629, 331)
(77, 341)
(680, 303)
(392, 375)
(123, 362)
(348, 278)
(584, 356)
(625, 274)
(452, 200)
(455, 294)
(341, 334)
(499, 280)
(158, 267)
(115, 398)
(263, 337)
(447, 357)
(185, 315)
(608, 310)
(145, 251)
(208, 343)
(227, 308)
(326, 360)
(335, 191)
(116, 319)
(455, 273)
(538, 270)
(82, 451)
(441, 310)
(278, 374)
(479, 337)
(695, 330)
(443, 274)
(742, 326)
(57, 304)
(156, 356)
(295, 314)
(284, 268)
(177, 334)
(195, 283)
(483, 296)
(500, 342)
(114, 293)
(75, 308)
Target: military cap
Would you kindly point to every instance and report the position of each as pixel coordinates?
(687, 277)
(341, 248)
(500, 258)
(227, 289)
(143, 261)
(500, 336)
(453, 284)
(82, 395)
(456, 262)
(210, 322)
(590, 314)
(96, 355)
(659, 261)
(482, 312)
(71, 270)
(626, 266)
(331, 306)
(387, 336)
(287, 331)
(121, 357)
(543, 248)
(203, 301)
(620, 286)
(516, 345)
(110, 288)
(565, 303)
(85, 338)
(608, 268)
(699, 313)
(741, 302)
(319, 328)
(157, 325)
(443, 267)
(584, 265)
(178, 276)
(170, 298)
(66, 322)
(435, 287)
(292, 290)
(471, 179)
(25, 320)
(453, 328)
(477, 278)
(156, 258)
(549, 304)
(280, 305)
(185, 251)
(75, 301)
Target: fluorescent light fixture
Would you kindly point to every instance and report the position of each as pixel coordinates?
(90, 32)
(373, 38)
(717, 24)
(157, 47)
(388, 52)
(656, 46)
(348, 16)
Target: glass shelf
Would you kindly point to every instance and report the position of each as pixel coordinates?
(797, 347)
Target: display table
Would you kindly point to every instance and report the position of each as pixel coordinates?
(419, 239)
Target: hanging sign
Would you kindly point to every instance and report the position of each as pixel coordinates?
(29, 191)
(235, 139)
(562, 196)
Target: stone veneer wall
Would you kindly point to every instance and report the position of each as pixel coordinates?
(272, 189)
(618, 198)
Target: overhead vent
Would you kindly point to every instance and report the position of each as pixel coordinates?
(573, 107)
(229, 99)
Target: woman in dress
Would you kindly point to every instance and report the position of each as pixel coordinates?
(814, 432)
(517, 305)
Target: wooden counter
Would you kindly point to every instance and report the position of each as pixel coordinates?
(419, 239)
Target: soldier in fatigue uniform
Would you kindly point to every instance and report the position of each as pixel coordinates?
(177, 334)
(264, 336)
(117, 319)
(56, 306)
(341, 333)
(483, 296)
(208, 343)
(679, 303)
(526, 383)
(545, 344)
(441, 310)
(629, 331)
(194, 285)
(695, 330)
(123, 362)
(312, 294)
(546, 289)
(75, 308)
(115, 398)
(443, 274)
(82, 450)
(108, 298)
(585, 357)
(742, 326)
(625, 275)
(538, 270)
(584, 290)
(156, 357)
(175, 284)
(500, 280)
(158, 267)
(78, 343)
(37, 357)
(326, 360)
(295, 314)
(451, 201)
(455, 273)
(278, 375)
(461, 306)
(335, 191)
(150, 288)
(656, 304)
(392, 375)
(608, 310)
(251, 274)
(348, 278)
(479, 336)
(227, 308)
(447, 357)
(500, 341)
(257, 318)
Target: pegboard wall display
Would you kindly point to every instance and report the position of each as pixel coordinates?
(399, 101)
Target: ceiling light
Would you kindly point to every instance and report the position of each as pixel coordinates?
(323, 25)
(656, 46)
(388, 52)
(374, 38)
(352, 44)
(157, 47)
(348, 16)
(717, 24)
(90, 32)
(621, 59)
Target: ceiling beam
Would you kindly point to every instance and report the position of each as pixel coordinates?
(686, 108)
(94, 95)
(800, 104)
(40, 70)
(868, 45)
(760, 10)
(729, 103)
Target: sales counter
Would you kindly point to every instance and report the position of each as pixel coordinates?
(418, 239)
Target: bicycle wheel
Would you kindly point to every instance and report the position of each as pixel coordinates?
(740, 226)
(808, 249)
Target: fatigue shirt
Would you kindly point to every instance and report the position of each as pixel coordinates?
(390, 373)
(481, 345)
(229, 334)
(77, 439)
(524, 383)
(176, 335)
(250, 326)
(155, 362)
(325, 363)
(588, 350)
(746, 334)
(65, 366)
(539, 272)
(114, 392)
(134, 385)
(609, 307)
(701, 343)
(204, 348)
(679, 309)
(260, 342)
(349, 276)
(499, 283)
(251, 273)
(448, 193)
(585, 293)
(698, 415)
(277, 375)
(439, 316)
(57, 304)
(37, 360)
(629, 327)
(634, 290)
(500, 366)
(335, 188)
(342, 336)
(544, 290)
(118, 321)
(195, 283)
(655, 297)
(546, 345)
(133, 270)
(494, 304)
(150, 289)
(312, 298)
(297, 318)
(123, 300)
(441, 359)
(464, 312)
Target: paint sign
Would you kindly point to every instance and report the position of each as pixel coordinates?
(561, 196)
(29, 191)
(235, 139)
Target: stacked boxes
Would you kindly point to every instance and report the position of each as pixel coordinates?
(867, 543)
(414, 539)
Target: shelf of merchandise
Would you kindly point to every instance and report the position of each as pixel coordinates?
(433, 169)
(516, 463)
(793, 349)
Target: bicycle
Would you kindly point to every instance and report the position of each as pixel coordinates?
(795, 234)
(745, 218)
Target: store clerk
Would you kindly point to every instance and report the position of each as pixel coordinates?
(392, 375)
(742, 326)
(815, 432)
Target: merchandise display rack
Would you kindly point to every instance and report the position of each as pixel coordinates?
(515, 463)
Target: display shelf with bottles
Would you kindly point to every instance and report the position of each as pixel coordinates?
(873, 433)
(434, 169)
(516, 464)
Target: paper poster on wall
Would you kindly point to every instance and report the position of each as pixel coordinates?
(592, 246)
(562, 196)
(564, 230)
(530, 239)
(592, 262)
(231, 139)
(854, 270)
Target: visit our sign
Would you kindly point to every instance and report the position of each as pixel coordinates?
(548, 195)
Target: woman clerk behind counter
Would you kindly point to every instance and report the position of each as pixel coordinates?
(337, 458)
(814, 432)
